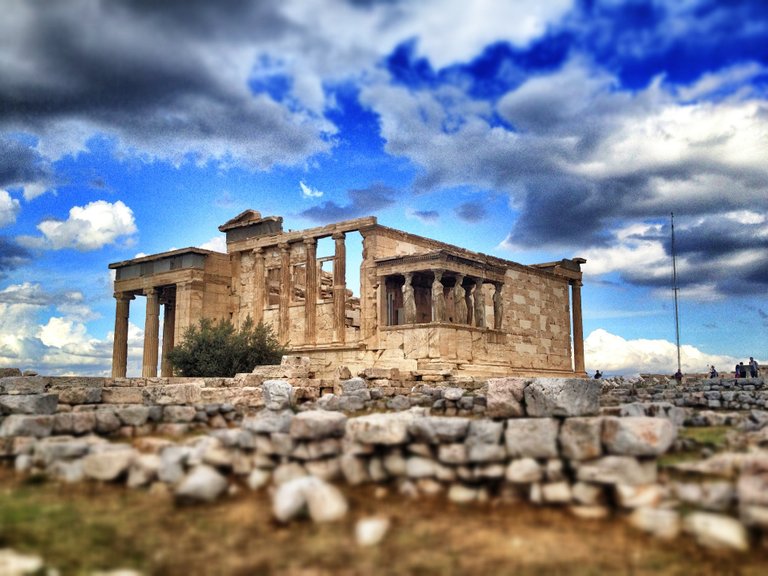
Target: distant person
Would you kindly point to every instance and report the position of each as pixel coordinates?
(678, 376)
(598, 374)
(713, 372)
(742, 370)
(737, 371)
(753, 367)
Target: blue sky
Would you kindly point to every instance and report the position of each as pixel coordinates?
(530, 130)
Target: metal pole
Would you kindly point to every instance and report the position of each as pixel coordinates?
(675, 290)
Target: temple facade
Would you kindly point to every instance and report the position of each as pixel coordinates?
(422, 305)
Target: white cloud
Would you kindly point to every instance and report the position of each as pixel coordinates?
(9, 208)
(613, 354)
(309, 192)
(217, 244)
(88, 227)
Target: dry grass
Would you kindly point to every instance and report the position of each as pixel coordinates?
(90, 526)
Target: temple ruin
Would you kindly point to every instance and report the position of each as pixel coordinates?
(423, 305)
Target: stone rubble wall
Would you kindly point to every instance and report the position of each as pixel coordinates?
(539, 440)
(704, 393)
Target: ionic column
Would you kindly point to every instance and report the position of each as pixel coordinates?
(259, 281)
(498, 305)
(120, 343)
(339, 288)
(578, 329)
(479, 303)
(459, 301)
(409, 300)
(310, 292)
(151, 334)
(438, 298)
(169, 328)
(285, 293)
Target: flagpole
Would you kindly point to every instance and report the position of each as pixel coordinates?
(675, 290)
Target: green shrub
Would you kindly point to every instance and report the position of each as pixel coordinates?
(218, 349)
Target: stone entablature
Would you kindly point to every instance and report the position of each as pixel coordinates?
(421, 302)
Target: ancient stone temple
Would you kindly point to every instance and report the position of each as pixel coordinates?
(422, 305)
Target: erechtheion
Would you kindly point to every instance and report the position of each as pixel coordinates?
(422, 305)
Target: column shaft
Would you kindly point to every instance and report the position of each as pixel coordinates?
(257, 312)
(310, 292)
(339, 288)
(120, 343)
(151, 334)
(578, 328)
(169, 328)
(285, 293)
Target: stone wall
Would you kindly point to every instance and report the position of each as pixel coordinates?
(709, 393)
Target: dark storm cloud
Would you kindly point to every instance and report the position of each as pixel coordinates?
(471, 211)
(21, 164)
(12, 256)
(157, 74)
(363, 202)
(428, 216)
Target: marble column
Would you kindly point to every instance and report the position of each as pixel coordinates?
(459, 301)
(409, 300)
(151, 334)
(120, 344)
(578, 328)
(285, 293)
(339, 288)
(169, 328)
(189, 306)
(498, 305)
(259, 284)
(479, 303)
(438, 297)
(310, 292)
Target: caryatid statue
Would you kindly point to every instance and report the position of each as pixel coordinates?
(498, 306)
(460, 301)
(438, 298)
(479, 303)
(409, 300)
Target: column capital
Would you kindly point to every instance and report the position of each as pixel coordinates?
(126, 296)
(150, 291)
(284, 246)
(258, 251)
(338, 235)
(310, 241)
(577, 283)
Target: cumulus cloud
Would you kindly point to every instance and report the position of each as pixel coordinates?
(217, 244)
(309, 192)
(613, 354)
(88, 227)
(362, 202)
(9, 208)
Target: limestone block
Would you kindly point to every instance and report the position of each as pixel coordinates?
(638, 435)
(419, 467)
(122, 395)
(588, 494)
(715, 496)
(277, 394)
(78, 394)
(174, 394)
(267, 421)
(83, 422)
(532, 437)
(178, 413)
(133, 415)
(556, 492)
(504, 397)
(484, 432)
(546, 397)
(383, 428)
(662, 523)
(439, 429)
(62, 423)
(143, 471)
(26, 425)
(461, 494)
(394, 463)
(370, 531)
(580, 438)
(25, 384)
(251, 396)
(524, 471)
(314, 424)
(754, 516)
(640, 495)
(354, 469)
(202, 484)
(323, 501)
(48, 450)
(28, 403)
(106, 422)
(110, 464)
(617, 470)
(172, 461)
(453, 393)
(486, 453)
(317, 449)
(328, 469)
(717, 531)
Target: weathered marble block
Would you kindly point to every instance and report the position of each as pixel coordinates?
(638, 435)
(386, 428)
(532, 437)
(546, 397)
(580, 438)
(28, 403)
(315, 424)
(26, 425)
(505, 396)
(277, 394)
(439, 429)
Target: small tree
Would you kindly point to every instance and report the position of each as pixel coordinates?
(218, 349)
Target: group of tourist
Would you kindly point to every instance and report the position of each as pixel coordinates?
(741, 370)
